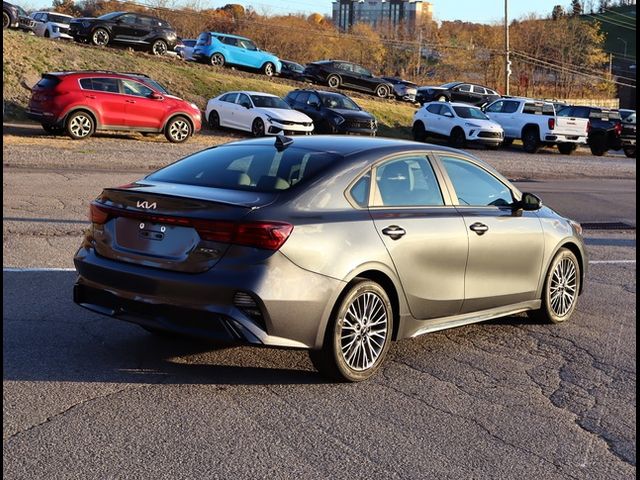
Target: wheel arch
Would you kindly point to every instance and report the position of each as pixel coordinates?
(530, 126)
(180, 114)
(571, 245)
(94, 115)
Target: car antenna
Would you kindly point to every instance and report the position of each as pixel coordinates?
(283, 142)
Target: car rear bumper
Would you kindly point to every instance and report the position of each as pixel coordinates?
(292, 303)
(563, 138)
(46, 118)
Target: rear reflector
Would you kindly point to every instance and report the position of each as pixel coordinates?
(267, 235)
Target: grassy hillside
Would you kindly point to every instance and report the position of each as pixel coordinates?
(25, 57)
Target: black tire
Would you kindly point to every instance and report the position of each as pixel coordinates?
(214, 120)
(52, 129)
(100, 37)
(80, 125)
(269, 69)
(457, 138)
(46, 34)
(334, 81)
(356, 356)
(567, 148)
(382, 91)
(159, 47)
(217, 60)
(178, 129)
(598, 145)
(630, 152)
(419, 132)
(507, 142)
(6, 20)
(531, 140)
(257, 128)
(549, 311)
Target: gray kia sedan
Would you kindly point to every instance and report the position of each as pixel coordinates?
(338, 245)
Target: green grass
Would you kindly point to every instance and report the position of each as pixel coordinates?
(26, 57)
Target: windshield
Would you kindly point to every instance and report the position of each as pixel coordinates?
(21, 11)
(155, 85)
(109, 16)
(259, 168)
(470, 112)
(339, 102)
(264, 101)
(59, 19)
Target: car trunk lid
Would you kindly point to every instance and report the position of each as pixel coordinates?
(170, 226)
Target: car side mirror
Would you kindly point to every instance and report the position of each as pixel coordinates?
(156, 96)
(246, 105)
(448, 114)
(528, 202)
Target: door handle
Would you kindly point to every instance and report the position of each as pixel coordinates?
(130, 101)
(394, 231)
(479, 228)
(89, 96)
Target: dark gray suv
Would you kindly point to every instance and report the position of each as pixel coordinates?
(334, 244)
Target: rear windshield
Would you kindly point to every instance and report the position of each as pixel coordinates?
(605, 115)
(247, 167)
(539, 108)
(204, 39)
(48, 82)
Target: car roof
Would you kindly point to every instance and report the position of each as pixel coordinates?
(460, 104)
(249, 92)
(227, 35)
(54, 13)
(105, 73)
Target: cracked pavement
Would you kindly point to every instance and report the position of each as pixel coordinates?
(89, 397)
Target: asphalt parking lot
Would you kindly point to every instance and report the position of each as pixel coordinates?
(88, 397)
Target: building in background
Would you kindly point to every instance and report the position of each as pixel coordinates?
(378, 13)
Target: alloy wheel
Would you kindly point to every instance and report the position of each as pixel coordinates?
(159, 47)
(563, 287)
(100, 37)
(179, 130)
(333, 81)
(258, 128)
(6, 20)
(80, 126)
(364, 331)
(217, 60)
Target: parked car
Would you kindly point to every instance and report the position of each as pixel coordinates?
(332, 244)
(126, 28)
(80, 103)
(458, 123)
(14, 16)
(292, 70)
(458, 92)
(219, 49)
(185, 49)
(332, 112)
(625, 113)
(604, 127)
(628, 135)
(51, 25)
(403, 89)
(337, 73)
(256, 112)
(536, 124)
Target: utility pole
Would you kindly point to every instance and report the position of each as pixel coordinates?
(419, 52)
(507, 62)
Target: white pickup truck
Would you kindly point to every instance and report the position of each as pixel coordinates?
(536, 124)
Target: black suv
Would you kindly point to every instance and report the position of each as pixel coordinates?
(14, 16)
(458, 92)
(332, 112)
(603, 130)
(292, 70)
(336, 74)
(126, 28)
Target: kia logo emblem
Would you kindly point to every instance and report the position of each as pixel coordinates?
(146, 205)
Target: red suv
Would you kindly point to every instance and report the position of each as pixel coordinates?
(79, 103)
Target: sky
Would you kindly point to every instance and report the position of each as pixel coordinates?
(481, 11)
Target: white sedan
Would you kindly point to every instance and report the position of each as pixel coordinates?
(459, 123)
(258, 113)
(51, 25)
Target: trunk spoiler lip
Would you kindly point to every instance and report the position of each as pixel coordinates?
(141, 188)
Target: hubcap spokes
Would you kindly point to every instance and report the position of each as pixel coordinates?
(100, 38)
(364, 331)
(159, 48)
(563, 288)
(80, 126)
(179, 130)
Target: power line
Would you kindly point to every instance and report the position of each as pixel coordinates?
(621, 15)
(598, 18)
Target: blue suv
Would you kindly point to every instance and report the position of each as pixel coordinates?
(219, 49)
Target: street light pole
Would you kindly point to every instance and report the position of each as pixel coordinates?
(507, 62)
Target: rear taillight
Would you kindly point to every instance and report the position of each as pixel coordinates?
(267, 235)
(618, 128)
(588, 126)
(552, 123)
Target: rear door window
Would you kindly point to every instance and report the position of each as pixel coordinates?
(407, 182)
(109, 85)
(510, 106)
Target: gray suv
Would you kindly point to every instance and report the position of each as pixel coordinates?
(338, 245)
